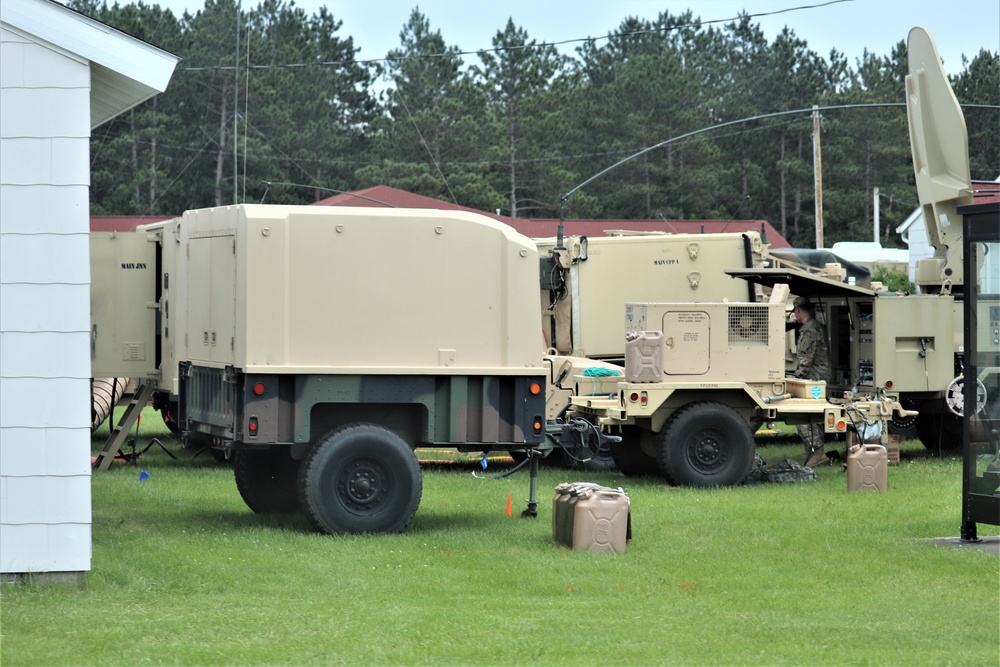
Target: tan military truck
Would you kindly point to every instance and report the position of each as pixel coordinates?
(697, 376)
(585, 283)
(323, 345)
(913, 343)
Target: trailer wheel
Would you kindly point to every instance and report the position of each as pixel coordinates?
(267, 480)
(168, 412)
(706, 444)
(630, 454)
(360, 478)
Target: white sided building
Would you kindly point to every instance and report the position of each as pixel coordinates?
(914, 230)
(61, 75)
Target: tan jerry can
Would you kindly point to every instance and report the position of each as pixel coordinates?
(867, 467)
(644, 356)
(590, 517)
(564, 508)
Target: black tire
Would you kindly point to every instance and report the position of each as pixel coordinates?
(518, 456)
(169, 413)
(602, 461)
(226, 455)
(360, 478)
(706, 444)
(267, 480)
(940, 430)
(631, 459)
(906, 427)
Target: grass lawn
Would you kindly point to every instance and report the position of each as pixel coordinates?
(184, 573)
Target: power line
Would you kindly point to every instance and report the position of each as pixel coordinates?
(299, 162)
(775, 114)
(453, 54)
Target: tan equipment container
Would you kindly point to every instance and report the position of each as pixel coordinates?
(123, 306)
(586, 283)
(297, 289)
(709, 341)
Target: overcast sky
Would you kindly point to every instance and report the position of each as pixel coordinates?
(958, 26)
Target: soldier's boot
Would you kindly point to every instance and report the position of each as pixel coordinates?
(817, 458)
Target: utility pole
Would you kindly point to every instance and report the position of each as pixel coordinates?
(876, 216)
(236, 106)
(817, 177)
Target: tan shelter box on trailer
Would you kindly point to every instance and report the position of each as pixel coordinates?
(299, 289)
(601, 273)
(718, 342)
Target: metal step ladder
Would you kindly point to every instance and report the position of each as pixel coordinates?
(119, 434)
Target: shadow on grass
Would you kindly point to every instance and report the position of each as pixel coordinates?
(431, 523)
(230, 519)
(424, 523)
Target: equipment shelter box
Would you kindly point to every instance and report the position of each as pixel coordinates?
(740, 342)
(298, 289)
(606, 271)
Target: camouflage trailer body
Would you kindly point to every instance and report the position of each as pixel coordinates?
(468, 412)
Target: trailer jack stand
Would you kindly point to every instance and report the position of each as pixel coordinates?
(532, 511)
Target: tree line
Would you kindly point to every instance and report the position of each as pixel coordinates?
(289, 102)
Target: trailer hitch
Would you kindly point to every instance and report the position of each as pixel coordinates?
(583, 440)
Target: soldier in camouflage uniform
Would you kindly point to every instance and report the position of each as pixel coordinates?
(813, 363)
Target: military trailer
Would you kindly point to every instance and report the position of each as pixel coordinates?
(323, 346)
(697, 376)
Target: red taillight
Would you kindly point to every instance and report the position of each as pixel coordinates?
(259, 389)
(643, 399)
(252, 426)
(634, 396)
(888, 384)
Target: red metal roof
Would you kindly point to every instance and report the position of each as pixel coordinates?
(985, 192)
(547, 227)
(383, 195)
(122, 223)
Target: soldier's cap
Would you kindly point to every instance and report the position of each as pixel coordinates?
(803, 303)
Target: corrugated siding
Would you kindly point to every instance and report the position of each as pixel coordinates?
(45, 515)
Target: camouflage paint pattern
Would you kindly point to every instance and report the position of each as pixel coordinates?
(449, 410)
(813, 356)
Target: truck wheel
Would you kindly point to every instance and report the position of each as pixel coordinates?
(905, 426)
(937, 429)
(706, 444)
(629, 455)
(360, 478)
(601, 461)
(267, 480)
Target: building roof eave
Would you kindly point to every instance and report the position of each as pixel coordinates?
(125, 70)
